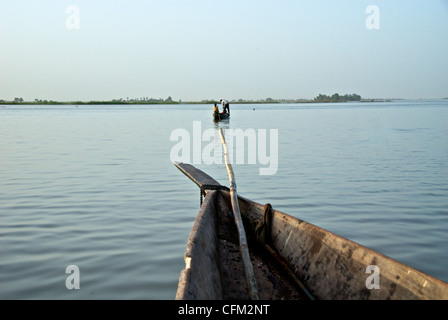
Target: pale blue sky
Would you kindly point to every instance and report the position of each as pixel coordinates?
(208, 49)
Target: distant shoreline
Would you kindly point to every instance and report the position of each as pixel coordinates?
(169, 101)
(182, 102)
(321, 98)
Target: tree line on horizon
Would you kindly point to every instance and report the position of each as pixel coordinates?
(338, 98)
(146, 100)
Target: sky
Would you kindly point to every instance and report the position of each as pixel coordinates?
(194, 50)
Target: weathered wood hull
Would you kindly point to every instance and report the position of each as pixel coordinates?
(331, 267)
(214, 268)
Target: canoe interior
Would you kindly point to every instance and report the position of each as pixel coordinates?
(335, 268)
(214, 269)
(330, 266)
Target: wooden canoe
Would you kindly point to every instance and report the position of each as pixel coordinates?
(218, 116)
(296, 260)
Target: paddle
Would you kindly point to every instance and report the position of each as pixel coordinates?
(248, 269)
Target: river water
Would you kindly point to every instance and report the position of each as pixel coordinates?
(95, 187)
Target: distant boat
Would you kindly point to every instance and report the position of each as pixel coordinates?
(220, 116)
(291, 259)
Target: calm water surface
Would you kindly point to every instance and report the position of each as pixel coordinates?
(94, 186)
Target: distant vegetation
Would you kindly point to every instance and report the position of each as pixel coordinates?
(337, 98)
(146, 100)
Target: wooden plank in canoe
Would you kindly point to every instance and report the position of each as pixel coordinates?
(200, 178)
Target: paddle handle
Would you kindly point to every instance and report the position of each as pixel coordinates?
(248, 269)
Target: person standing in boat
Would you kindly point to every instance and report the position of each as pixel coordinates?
(225, 105)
